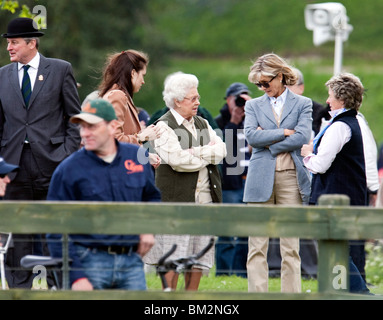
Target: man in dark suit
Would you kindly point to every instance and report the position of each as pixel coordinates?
(38, 96)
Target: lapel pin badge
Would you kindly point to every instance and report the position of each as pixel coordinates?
(41, 78)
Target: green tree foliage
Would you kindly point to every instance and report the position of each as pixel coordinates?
(85, 32)
(219, 38)
(15, 7)
(10, 6)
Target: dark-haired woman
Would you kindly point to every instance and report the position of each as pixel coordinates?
(123, 77)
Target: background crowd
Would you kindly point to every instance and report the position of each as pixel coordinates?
(275, 139)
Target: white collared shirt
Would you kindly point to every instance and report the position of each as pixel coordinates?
(370, 153)
(189, 124)
(335, 137)
(32, 71)
(195, 159)
(278, 102)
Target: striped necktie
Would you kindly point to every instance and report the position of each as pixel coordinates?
(26, 88)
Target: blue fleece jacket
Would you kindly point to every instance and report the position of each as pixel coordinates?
(84, 176)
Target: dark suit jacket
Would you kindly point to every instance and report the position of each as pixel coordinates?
(46, 121)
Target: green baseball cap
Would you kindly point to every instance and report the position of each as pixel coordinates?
(95, 111)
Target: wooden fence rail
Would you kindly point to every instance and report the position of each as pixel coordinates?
(332, 223)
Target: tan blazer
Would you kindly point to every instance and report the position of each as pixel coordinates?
(127, 115)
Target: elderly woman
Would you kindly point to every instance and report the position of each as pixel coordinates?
(336, 157)
(190, 151)
(277, 125)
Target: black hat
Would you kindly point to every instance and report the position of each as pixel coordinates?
(237, 88)
(6, 168)
(22, 28)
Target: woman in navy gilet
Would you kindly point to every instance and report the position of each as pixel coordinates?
(335, 157)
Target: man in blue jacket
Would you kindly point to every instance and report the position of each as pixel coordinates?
(104, 170)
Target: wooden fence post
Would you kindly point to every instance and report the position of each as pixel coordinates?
(65, 264)
(333, 257)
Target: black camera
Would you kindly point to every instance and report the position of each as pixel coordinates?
(239, 101)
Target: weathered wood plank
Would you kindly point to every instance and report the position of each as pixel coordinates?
(329, 223)
(333, 263)
(116, 218)
(316, 222)
(356, 223)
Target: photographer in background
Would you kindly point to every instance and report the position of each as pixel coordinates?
(231, 252)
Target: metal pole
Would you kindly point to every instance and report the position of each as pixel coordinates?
(338, 51)
(3, 280)
(3, 252)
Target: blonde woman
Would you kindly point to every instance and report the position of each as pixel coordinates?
(277, 124)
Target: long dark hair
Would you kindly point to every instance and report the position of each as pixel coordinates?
(118, 70)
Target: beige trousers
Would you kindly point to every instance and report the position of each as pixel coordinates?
(285, 192)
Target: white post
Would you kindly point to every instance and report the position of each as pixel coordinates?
(329, 21)
(339, 24)
(338, 55)
(2, 271)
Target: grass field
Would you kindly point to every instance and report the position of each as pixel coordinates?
(237, 284)
(227, 283)
(374, 275)
(212, 283)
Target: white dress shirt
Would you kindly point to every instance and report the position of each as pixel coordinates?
(32, 71)
(278, 103)
(370, 154)
(335, 137)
